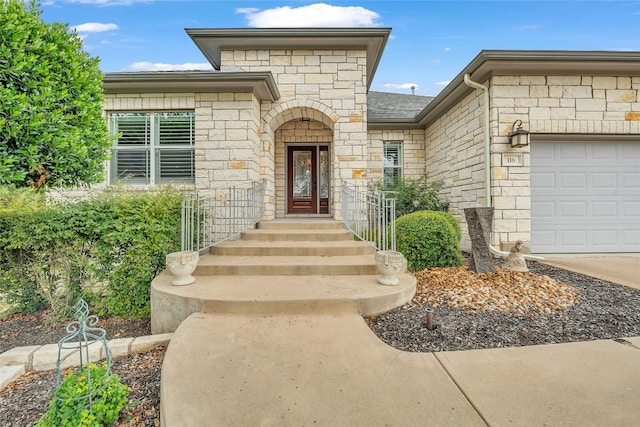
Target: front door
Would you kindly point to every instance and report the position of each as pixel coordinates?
(308, 179)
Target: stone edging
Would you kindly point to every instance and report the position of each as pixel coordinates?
(19, 360)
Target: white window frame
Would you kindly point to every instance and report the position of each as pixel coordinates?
(391, 163)
(152, 147)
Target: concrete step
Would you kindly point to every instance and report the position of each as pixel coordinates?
(170, 305)
(301, 224)
(223, 265)
(269, 235)
(292, 248)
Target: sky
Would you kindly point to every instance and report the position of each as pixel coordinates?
(431, 41)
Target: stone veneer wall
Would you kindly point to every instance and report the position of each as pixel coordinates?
(226, 147)
(580, 105)
(324, 85)
(413, 153)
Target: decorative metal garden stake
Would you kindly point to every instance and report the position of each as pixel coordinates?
(81, 334)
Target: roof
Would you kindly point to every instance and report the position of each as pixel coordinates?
(489, 63)
(261, 83)
(386, 109)
(211, 41)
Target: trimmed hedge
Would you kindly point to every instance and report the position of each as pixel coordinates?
(429, 239)
(106, 250)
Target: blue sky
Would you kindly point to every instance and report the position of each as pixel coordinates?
(431, 41)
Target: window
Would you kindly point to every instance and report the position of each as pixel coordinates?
(153, 148)
(392, 163)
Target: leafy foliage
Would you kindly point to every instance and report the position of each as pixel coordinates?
(52, 129)
(414, 195)
(106, 249)
(429, 239)
(69, 408)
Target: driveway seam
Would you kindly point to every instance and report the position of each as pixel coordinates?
(625, 342)
(475, 408)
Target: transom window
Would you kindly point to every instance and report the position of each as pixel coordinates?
(153, 148)
(392, 163)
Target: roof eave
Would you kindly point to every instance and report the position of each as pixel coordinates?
(261, 84)
(393, 124)
(489, 63)
(212, 41)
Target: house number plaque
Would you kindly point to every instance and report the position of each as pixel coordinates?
(511, 159)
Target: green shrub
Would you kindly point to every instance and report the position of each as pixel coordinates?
(414, 195)
(428, 239)
(68, 407)
(106, 250)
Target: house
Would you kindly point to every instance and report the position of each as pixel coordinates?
(293, 107)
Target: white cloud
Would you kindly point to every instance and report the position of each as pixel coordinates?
(187, 66)
(528, 27)
(94, 27)
(443, 83)
(447, 49)
(313, 15)
(396, 86)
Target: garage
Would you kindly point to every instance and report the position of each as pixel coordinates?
(585, 195)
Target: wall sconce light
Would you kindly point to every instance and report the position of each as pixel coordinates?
(518, 137)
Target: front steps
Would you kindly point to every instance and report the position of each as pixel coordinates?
(283, 266)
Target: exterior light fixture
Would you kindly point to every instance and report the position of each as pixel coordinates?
(518, 137)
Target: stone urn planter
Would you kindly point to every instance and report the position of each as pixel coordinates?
(390, 263)
(182, 264)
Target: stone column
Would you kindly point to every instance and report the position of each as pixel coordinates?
(479, 222)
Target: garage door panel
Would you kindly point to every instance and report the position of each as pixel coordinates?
(604, 210)
(631, 210)
(573, 210)
(572, 152)
(604, 180)
(546, 180)
(631, 180)
(585, 196)
(573, 181)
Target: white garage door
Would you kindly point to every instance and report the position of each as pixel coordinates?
(585, 197)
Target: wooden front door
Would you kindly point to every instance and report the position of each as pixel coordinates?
(307, 179)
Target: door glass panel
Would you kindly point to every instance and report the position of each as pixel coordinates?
(302, 174)
(324, 174)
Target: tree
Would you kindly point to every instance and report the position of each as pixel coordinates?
(52, 131)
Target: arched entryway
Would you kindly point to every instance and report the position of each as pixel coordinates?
(302, 139)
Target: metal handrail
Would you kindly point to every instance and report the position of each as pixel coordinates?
(370, 215)
(220, 215)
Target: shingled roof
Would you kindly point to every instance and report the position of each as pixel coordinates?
(385, 106)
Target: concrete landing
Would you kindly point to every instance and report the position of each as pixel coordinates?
(301, 370)
(273, 295)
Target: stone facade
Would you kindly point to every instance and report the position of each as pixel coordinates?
(318, 96)
(325, 86)
(579, 105)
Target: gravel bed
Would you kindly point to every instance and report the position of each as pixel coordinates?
(601, 310)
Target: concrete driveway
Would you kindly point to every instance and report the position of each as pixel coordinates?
(623, 269)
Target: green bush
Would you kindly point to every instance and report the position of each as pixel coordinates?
(106, 249)
(53, 129)
(428, 239)
(68, 407)
(414, 195)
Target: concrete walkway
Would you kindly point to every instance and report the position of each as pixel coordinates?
(331, 370)
(623, 269)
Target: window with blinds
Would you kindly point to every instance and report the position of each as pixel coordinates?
(392, 163)
(153, 147)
